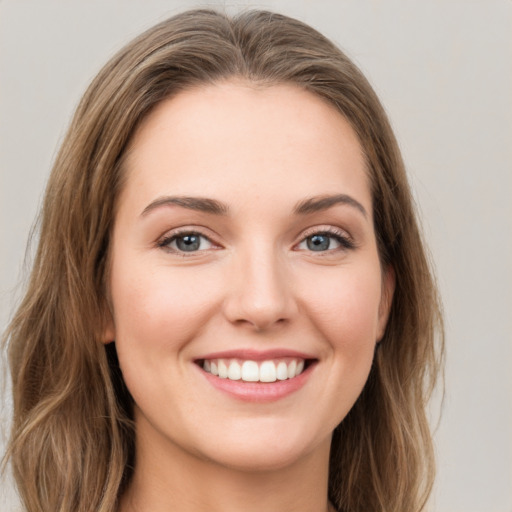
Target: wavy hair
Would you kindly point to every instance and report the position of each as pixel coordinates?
(72, 438)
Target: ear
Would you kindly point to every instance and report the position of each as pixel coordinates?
(108, 332)
(386, 299)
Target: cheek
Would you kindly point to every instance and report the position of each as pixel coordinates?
(156, 314)
(344, 306)
(160, 309)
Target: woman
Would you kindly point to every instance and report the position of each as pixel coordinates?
(230, 306)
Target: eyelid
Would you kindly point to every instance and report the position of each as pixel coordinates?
(345, 238)
(164, 240)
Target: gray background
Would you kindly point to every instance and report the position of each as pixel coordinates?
(443, 70)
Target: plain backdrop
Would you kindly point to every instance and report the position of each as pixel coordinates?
(443, 70)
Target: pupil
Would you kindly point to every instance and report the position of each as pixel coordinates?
(188, 243)
(318, 243)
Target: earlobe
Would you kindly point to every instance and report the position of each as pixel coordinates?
(386, 299)
(108, 333)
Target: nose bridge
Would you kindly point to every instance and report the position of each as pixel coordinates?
(260, 292)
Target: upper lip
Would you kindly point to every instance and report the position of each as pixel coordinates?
(257, 355)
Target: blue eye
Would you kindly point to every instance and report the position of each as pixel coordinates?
(319, 242)
(186, 242)
(322, 242)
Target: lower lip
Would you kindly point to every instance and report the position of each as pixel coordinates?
(259, 391)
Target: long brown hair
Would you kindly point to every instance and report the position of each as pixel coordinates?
(72, 441)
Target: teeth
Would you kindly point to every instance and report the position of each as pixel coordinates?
(234, 371)
(268, 371)
(282, 371)
(292, 367)
(223, 369)
(251, 371)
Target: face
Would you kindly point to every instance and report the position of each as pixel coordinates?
(246, 289)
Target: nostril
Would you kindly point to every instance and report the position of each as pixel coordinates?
(260, 324)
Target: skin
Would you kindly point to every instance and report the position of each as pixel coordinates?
(253, 284)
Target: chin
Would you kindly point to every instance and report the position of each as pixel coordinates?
(258, 460)
(257, 450)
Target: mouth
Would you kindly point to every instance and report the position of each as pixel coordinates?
(257, 376)
(251, 370)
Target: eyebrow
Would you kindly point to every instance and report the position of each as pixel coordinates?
(320, 203)
(201, 204)
(207, 205)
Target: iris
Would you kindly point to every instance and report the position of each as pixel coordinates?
(188, 243)
(318, 242)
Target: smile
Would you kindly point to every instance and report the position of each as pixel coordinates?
(257, 376)
(252, 371)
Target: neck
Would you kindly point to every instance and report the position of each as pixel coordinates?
(174, 480)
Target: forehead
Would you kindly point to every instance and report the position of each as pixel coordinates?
(234, 138)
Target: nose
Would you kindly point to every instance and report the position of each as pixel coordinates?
(260, 292)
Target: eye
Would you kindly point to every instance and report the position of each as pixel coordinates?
(325, 241)
(186, 242)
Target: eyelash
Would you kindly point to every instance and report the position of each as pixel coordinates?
(166, 241)
(345, 242)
